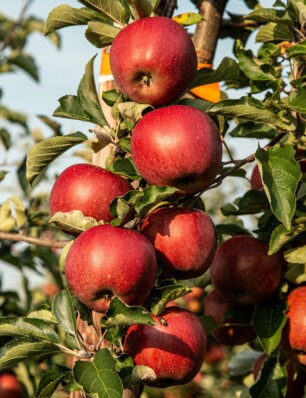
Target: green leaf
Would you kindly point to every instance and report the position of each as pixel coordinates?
(280, 236)
(121, 206)
(121, 314)
(280, 174)
(251, 66)
(228, 70)
(272, 381)
(165, 292)
(117, 11)
(5, 138)
(250, 109)
(189, 18)
(202, 105)
(297, 50)
(273, 32)
(252, 202)
(23, 348)
(19, 210)
(64, 312)
(124, 167)
(131, 376)
(28, 327)
(297, 100)
(296, 255)
(296, 273)
(299, 9)
(231, 230)
(269, 320)
(43, 153)
(133, 111)
(25, 62)
(152, 196)
(63, 256)
(253, 130)
(51, 378)
(65, 15)
(110, 97)
(101, 34)
(141, 8)
(99, 378)
(265, 15)
(73, 222)
(70, 109)
(13, 117)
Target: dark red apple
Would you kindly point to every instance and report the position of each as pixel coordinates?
(174, 348)
(184, 240)
(242, 271)
(177, 146)
(87, 188)
(256, 182)
(230, 331)
(10, 386)
(105, 261)
(294, 333)
(153, 60)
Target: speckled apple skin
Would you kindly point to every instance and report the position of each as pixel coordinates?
(87, 188)
(174, 348)
(159, 48)
(113, 261)
(177, 146)
(10, 386)
(215, 306)
(294, 333)
(242, 271)
(184, 240)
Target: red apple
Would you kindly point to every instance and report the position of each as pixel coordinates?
(256, 182)
(10, 386)
(87, 188)
(174, 348)
(294, 333)
(177, 146)
(105, 261)
(242, 271)
(230, 331)
(153, 60)
(184, 240)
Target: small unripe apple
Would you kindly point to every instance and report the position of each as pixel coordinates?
(294, 333)
(242, 271)
(10, 386)
(153, 60)
(184, 240)
(177, 146)
(87, 188)
(105, 261)
(174, 348)
(230, 330)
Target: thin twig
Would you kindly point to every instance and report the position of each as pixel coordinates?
(15, 237)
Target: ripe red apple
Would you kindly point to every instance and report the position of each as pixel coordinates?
(105, 261)
(10, 386)
(230, 331)
(184, 240)
(177, 146)
(242, 271)
(87, 188)
(294, 333)
(153, 60)
(174, 348)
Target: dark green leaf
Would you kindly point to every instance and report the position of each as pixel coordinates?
(117, 11)
(280, 236)
(99, 378)
(131, 376)
(297, 50)
(101, 34)
(110, 97)
(297, 100)
(273, 32)
(265, 15)
(296, 273)
(252, 202)
(121, 206)
(124, 167)
(280, 174)
(25, 62)
(152, 197)
(196, 103)
(50, 380)
(231, 230)
(121, 314)
(141, 8)
(70, 109)
(253, 130)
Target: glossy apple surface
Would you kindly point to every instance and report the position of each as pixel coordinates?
(153, 60)
(184, 240)
(174, 348)
(10, 386)
(242, 271)
(87, 188)
(230, 331)
(105, 261)
(177, 146)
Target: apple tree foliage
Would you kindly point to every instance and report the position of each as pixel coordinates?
(271, 110)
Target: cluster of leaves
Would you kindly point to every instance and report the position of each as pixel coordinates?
(274, 108)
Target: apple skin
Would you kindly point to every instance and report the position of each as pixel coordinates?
(174, 348)
(243, 273)
(87, 188)
(256, 182)
(184, 240)
(177, 146)
(105, 261)
(10, 386)
(153, 60)
(215, 306)
(294, 333)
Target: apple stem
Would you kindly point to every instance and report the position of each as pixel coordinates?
(146, 80)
